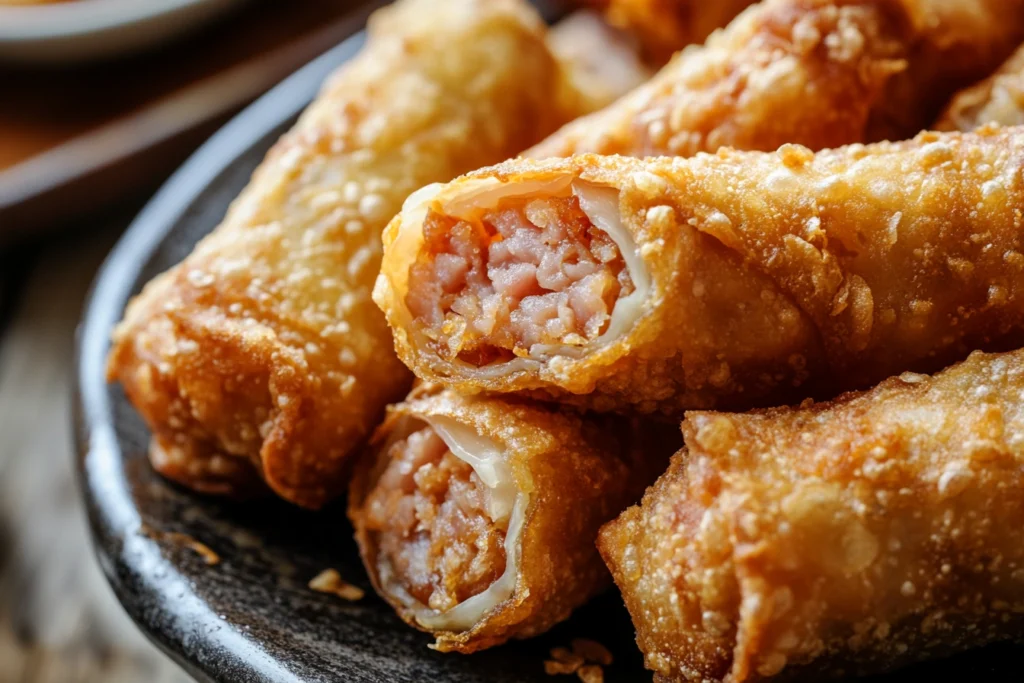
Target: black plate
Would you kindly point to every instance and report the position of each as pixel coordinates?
(251, 617)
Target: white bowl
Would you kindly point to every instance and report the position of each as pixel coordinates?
(81, 30)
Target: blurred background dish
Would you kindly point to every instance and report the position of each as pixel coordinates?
(77, 30)
(77, 138)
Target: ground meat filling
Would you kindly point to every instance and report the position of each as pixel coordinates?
(435, 537)
(528, 272)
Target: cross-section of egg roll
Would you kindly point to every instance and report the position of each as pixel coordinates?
(821, 73)
(476, 518)
(998, 99)
(263, 350)
(859, 534)
(723, 280)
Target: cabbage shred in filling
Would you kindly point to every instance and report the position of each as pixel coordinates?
(530, 272)
(435, 536)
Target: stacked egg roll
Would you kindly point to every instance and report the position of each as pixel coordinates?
(820, 73)
(476, 517)
(998, 99)
(855, 535)
(261, 357)
(733, 279)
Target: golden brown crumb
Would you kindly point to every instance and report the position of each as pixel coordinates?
(584, 660)
(562, 654)
(553, 668)
(330, 581)
(564, 662)
(184, 540)
(592, 651)
(209, 556)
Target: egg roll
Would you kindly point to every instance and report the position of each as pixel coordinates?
(820, 73)
(726, 280)
(261, 358)
(855, 535)
(476, 518)
(998, 99)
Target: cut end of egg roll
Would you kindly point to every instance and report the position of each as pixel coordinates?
(459, 503)
(451, 490)
(514, 277)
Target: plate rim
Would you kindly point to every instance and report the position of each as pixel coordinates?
(26, 23)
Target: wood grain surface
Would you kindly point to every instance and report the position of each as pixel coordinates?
(59, 621)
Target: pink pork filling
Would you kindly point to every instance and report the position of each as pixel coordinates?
(434, 535)
(532, 271)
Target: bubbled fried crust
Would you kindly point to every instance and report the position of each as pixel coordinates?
(264, 345)
(775, 276)
(864, 533)
(579, 472)
(998, 99)
(820, 73)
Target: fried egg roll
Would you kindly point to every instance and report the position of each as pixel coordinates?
(998, 99)
(723, 280)
(854, 535)
(476, 518)
(262, 350)
(821, 73)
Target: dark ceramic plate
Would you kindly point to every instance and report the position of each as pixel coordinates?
(251, 617)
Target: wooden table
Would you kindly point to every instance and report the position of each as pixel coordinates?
(59, 621)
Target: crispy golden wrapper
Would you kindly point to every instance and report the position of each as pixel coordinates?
(997, 99)
(720, 280)
(263, 347)
(821, 73)
(476, 518)
(859, 534)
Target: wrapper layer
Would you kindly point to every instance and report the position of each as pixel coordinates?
(261, 356)
(722, 280)
(821, 73)
(850, 536)
(997, 99)
(477, 518)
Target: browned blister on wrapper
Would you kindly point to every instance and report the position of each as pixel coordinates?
(854, 535)
(261, 356)
(723, 280)
(476, 518)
